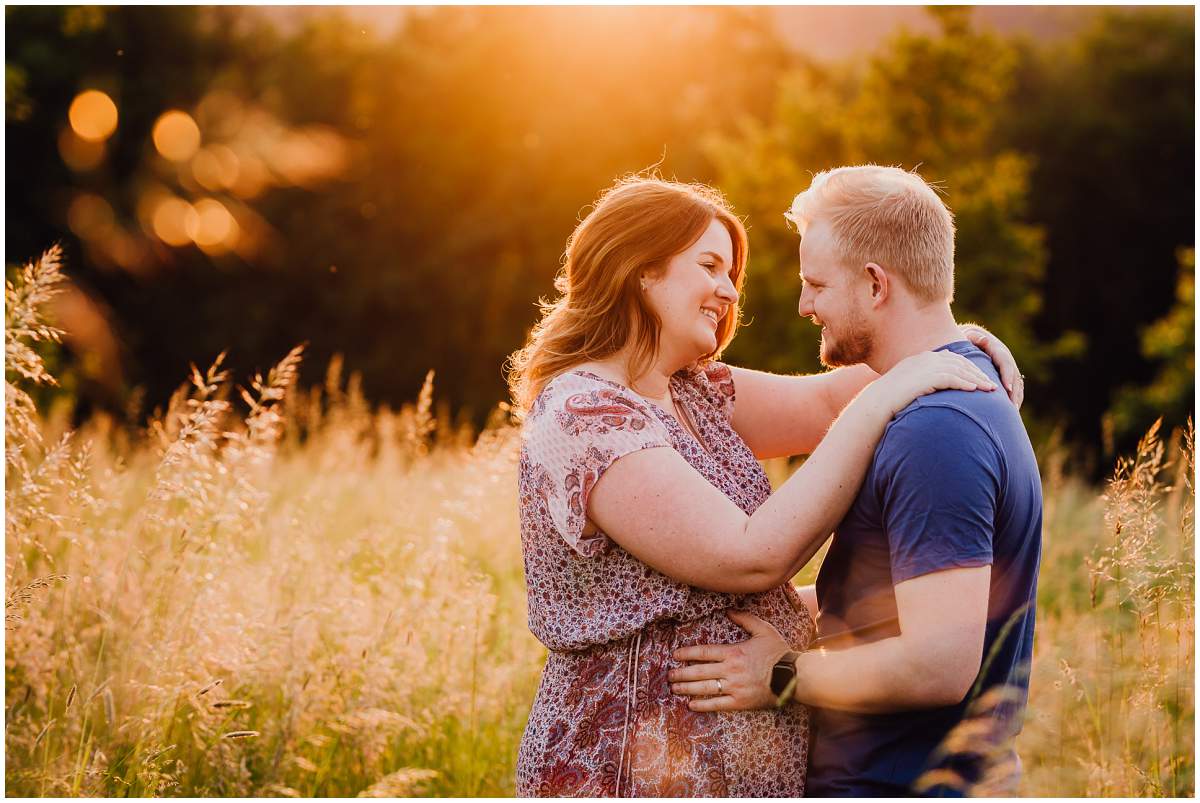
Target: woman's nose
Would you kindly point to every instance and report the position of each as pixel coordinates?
(727, 291)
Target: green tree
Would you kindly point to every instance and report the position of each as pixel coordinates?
(931, 102)
(1107, 120)
(475, 138)
(1170, 345)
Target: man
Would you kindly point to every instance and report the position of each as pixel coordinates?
(925, 600)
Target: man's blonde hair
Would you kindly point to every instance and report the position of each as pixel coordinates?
(887, 216)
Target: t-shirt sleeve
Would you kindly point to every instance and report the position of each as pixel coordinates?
(715, 381)
(581, 430)
(938, 476)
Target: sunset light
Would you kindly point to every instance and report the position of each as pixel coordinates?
(174, 220)
(79, 154)
(215, 167)
(90, 216)
(93, 116)
(176, 135)
(211, 227)
(322, 320)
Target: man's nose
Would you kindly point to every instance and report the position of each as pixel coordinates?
(805, 307)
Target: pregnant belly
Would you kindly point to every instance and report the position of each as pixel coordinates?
(606, 723)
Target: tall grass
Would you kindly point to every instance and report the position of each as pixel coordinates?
(1112, 705)
(271, 591)
(297, 596)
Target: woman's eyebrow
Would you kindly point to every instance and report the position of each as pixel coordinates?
(713, 254)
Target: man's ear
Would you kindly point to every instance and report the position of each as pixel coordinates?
(878, 280)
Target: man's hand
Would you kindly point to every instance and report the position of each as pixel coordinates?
(744, 670)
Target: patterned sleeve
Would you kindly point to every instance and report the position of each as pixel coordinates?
(579, 428)
(716, 385)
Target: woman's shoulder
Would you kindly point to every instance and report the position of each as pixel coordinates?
(710, 383)
(579, 401)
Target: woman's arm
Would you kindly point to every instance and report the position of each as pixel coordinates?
(661, 510)
(781, 416)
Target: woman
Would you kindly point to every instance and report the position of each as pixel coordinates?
(618, 384)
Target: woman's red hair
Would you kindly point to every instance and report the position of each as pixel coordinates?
(636, 227)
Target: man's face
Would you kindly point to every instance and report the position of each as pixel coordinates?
(833, 298)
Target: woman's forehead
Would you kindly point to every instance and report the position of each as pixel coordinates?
(716, 240)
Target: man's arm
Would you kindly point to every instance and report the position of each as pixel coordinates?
(808, 595)
(933, 662)
(781, 416)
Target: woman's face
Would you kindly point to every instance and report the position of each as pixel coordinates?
(693, 293)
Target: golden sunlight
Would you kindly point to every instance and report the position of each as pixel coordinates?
(215, 167)
(93, 116)
(90, 216)
(173, 219)
(212, 227)
(176, 135)
(79, 154)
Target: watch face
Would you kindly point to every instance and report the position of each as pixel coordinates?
(781, 676)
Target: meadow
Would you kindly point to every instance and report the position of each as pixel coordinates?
(284, 591)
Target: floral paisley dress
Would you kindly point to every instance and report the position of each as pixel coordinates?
(605, 722)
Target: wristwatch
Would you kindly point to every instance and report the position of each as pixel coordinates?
(783, 677)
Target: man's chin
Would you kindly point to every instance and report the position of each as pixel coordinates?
(830, 358)
(834, 357)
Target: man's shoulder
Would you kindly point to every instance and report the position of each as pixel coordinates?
(937, 438)
(939, 420)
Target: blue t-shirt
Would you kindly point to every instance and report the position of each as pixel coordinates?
(953, 483)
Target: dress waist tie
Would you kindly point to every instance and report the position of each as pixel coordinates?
(631, 681)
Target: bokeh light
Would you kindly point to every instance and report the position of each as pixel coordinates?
(309, 155)
(93, 116)
(90, 216)
(173, 219)
(79, 154)
(252, 177)
(129, 252)
(221, 113)
(215, 167)
(176, 135)
(212, 227)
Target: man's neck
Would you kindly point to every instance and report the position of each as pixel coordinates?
(918, 330)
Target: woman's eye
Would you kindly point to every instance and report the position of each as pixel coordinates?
(707, 265)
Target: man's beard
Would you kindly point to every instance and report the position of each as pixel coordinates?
(854, 346)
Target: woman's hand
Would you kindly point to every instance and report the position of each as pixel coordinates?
(1010, 376)
(925, 373)
(731, 677)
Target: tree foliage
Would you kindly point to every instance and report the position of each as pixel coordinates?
(474, 138)
(1107, 120)
(927, 102)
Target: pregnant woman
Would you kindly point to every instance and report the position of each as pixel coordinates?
(645, 514)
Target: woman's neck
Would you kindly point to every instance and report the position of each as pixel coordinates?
(654, 384)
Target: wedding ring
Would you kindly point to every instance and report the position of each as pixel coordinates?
(720, 690)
